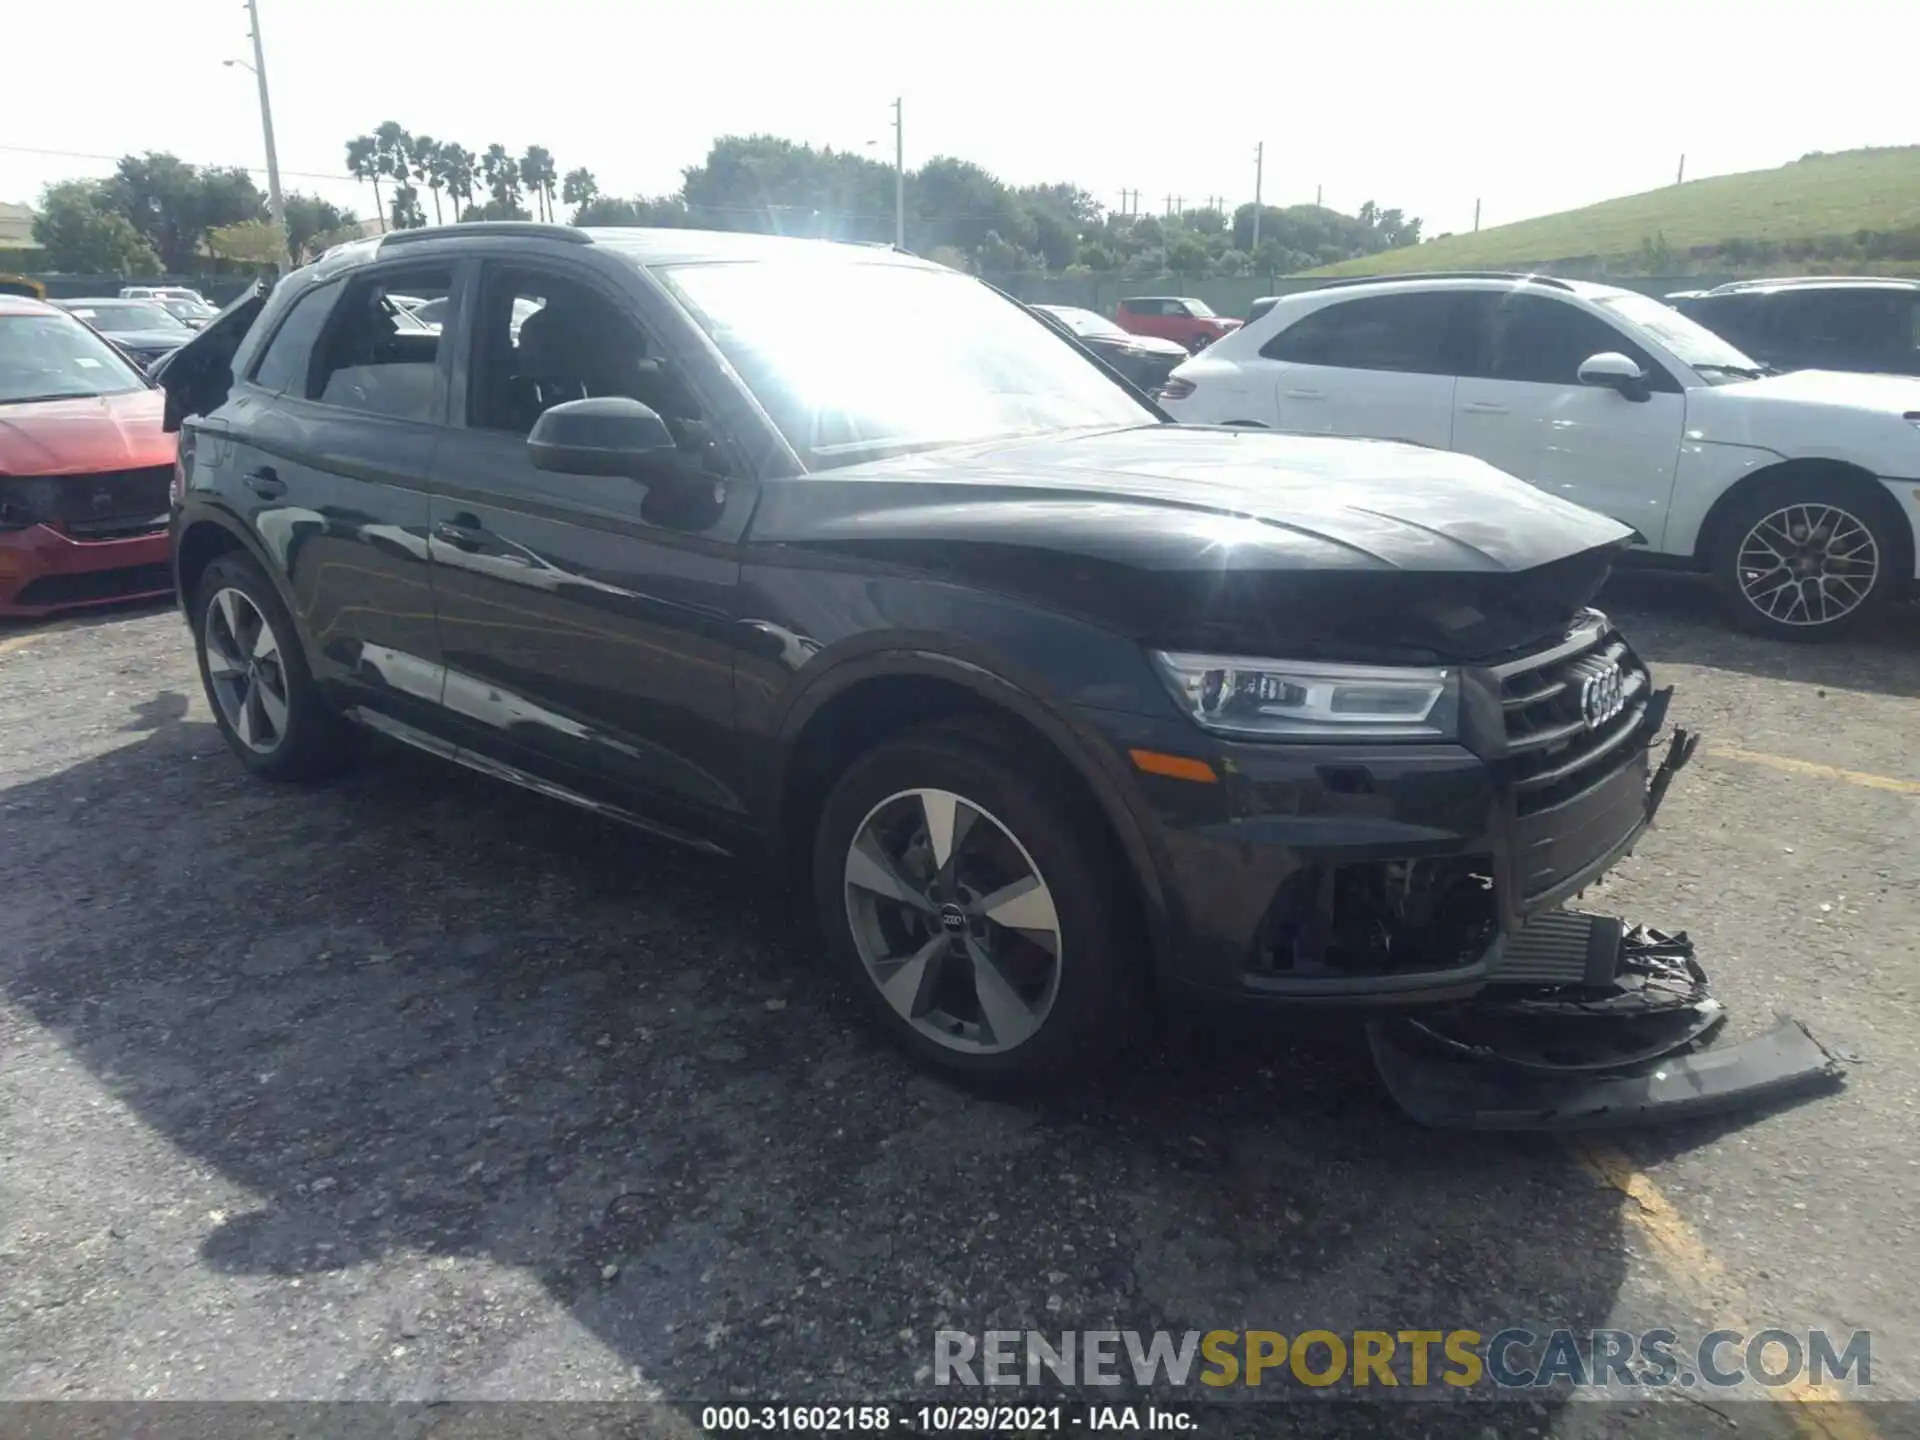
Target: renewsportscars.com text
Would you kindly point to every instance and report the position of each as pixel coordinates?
(1512, 1359)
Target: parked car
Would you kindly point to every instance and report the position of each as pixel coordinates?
(163, 292)
(1143, 359)
(1796, 493)
(22, 285)
(84, 467)
(1181, 319)
(1816, 323)
(1051, 704)
(141, 328)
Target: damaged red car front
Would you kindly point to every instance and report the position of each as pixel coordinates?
(85, 467)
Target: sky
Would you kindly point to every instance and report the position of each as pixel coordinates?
(1530, 109)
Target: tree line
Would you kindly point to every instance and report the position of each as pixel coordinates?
(158, 214)
(955, 210)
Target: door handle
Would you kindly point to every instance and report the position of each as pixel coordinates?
(1485, 407)
(1306, 394)
(265, 483)
(461, 537)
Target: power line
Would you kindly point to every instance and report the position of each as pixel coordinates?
(114, 159)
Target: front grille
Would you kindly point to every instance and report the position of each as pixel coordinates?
(108, 504)
(1557, 753)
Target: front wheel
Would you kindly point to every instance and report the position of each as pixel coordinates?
(971, 899)
(263, 696)
(1804, 560)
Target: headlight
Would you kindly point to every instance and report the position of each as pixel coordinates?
(1286, 699)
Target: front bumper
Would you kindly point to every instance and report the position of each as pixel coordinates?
(1294, 836)
(43, 571)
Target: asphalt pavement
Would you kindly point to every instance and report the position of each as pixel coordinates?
(412, 1086)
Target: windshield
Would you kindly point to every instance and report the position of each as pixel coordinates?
(50, 357)
(955, 362)
(187, 309)
(1198, 308)
(1691, 342)
(124, 318)
(1083, 322)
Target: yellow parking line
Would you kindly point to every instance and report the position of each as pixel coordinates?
(1790, 766)
(11, 643)
(1819, 1412)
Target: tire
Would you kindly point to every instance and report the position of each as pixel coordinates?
(1852, 536)
(1200, 342)
(271, 714)
(1082, 1009)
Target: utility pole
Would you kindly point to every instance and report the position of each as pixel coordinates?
(276, 206)
(1259, 175)
(1316, 196)
(1681, 176)
(1476, 215)
(899, 179)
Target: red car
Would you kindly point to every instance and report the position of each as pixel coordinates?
(85, 467)
(1181, 319)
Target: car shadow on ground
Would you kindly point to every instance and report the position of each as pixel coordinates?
(414, 1013)
(1673, 618)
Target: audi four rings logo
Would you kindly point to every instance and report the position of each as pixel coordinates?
(1603, 694)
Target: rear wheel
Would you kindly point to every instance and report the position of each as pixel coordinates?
(1805, 558)
(263, 696)
(972, 901)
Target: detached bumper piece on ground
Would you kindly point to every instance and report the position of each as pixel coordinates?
(1590, 1026)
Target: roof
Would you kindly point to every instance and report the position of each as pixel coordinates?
(16, 227)
(23, 305)
(1816, 282)
(641, 245)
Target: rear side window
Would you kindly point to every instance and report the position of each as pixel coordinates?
(283, 367)
(1146, 307)
(1416, 334)
(1864, 320)
(375, 356)
(1544, 342)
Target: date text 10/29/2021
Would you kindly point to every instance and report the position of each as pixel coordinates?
(944, 1419)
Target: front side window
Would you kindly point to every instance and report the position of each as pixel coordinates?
(1414, 334)
(542, 340)
(55, 357)
(1688, 341)
(1543, 341)
(283, 367)
(957, 363)
(374, 356)
(1198, 309)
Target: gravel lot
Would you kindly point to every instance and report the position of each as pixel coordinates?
(417, 1087)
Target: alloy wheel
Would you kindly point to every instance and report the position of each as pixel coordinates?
(953, 921)
(1807, 564)
(245, 671)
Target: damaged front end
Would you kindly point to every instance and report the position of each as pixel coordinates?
(1589, 1025)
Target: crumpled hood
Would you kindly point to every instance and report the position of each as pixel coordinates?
(106, 432)
(1167, 496)
(1251, 542)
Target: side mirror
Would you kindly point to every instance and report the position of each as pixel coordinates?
(1616, 372)
(610, 435)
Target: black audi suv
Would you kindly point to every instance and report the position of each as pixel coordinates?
(1053, 705)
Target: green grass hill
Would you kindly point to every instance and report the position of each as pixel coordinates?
(1855, 210)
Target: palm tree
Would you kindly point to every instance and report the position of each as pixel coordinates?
(502, 175)
(579, 188)
(456, 167)
(391, 144)
(363, 163)
(538, 171)
(426, 168)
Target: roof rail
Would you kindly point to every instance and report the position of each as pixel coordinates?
(1733, 286)
(1548, 280)
(526, 229)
